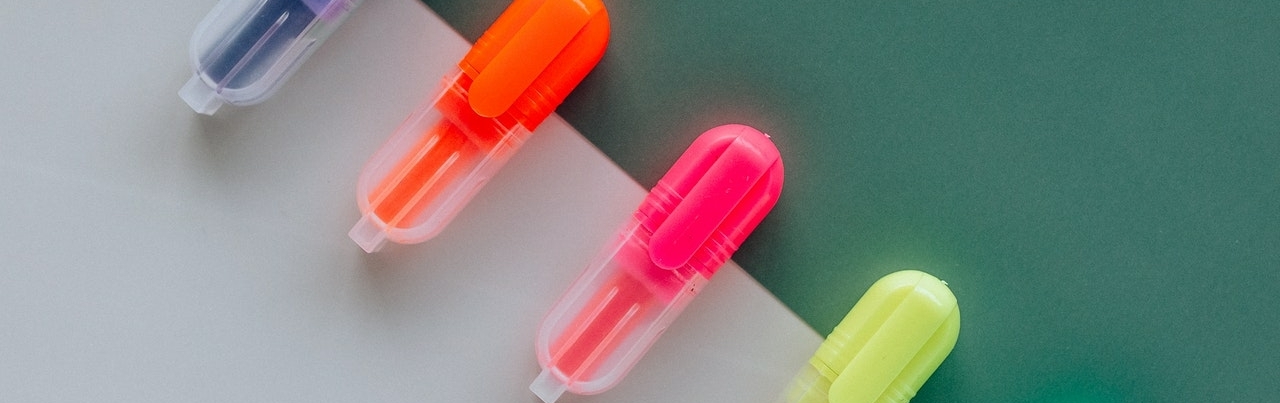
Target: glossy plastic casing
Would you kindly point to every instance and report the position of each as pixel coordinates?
(245, 49)
(687, 227)
(888, 345)
(515, 75)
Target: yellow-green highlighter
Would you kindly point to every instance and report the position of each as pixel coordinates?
(886, 347)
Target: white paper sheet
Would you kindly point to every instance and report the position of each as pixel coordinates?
(154, 255)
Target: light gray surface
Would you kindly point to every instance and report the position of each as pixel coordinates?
(154, 255)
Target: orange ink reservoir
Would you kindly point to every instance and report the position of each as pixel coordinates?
(686, 228)
(515, 75)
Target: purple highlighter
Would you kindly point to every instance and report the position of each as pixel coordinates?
(245, 49)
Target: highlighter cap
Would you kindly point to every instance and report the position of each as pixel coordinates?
(712, 198)
(891, 341)
(529, 60)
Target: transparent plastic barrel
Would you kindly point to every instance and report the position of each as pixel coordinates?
(245, 49)
(437, 160)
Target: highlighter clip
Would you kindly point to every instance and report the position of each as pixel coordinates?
(527, 54)
(529, 60)
(892, 340)
(722, 187)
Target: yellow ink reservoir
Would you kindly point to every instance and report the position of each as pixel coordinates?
(886, 347)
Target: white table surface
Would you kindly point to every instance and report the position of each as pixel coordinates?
(154, 255)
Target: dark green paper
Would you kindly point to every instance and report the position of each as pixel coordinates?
(1098, 181)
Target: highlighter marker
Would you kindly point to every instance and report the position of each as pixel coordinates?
(686, 228)
(245, 49)
(886, 347)
(512, 79)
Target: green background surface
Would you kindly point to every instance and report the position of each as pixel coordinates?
(1096, 180)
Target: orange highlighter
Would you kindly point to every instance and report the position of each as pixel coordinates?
(515, 75)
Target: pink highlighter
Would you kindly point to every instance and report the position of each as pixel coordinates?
(686, 228)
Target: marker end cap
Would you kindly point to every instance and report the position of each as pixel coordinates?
(547, 387)
(200, 97)
(368, 234)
